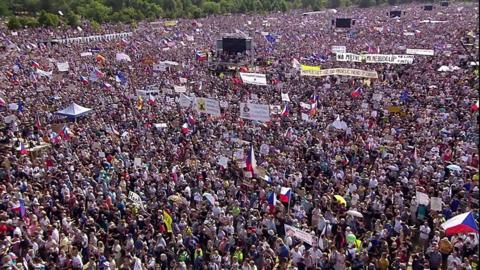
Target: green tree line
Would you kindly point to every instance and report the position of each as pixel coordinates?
(33, 13)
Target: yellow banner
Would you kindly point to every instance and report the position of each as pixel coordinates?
(341, 72)
(312, 68)
(170, 23)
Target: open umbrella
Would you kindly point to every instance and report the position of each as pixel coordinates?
(443, 68)
(209, 198)
(454, 167)
(340, 199)
(354, 213)
(177, 199)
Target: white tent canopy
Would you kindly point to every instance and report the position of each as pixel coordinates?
(74, 110)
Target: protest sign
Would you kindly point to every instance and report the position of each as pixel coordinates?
(223, 161)
(135, 198)
(436, 203)
(275, 109)
(301, 235)
(264, 149)
(305, 106)
(179, 88)
(63, 67)
(208, 105)
(422, 198)
(339, 49)
(257, 112)
(159, 67)
(254, 78)
(184, 101)
(420, 52)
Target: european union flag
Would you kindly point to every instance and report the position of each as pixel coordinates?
(20, 106)
(271, 39)
(404, 96)
(120, 78)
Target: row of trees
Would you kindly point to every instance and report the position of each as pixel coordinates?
(33, 13)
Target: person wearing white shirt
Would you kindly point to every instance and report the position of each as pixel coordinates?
(424, 234)
(77, 262)
(296, 255)
(373, 183)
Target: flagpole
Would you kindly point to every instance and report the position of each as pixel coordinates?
(289, 199)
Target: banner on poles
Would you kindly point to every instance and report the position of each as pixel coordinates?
(420, 52)
(375, 58)
(254, 78)
(339, 49)
(306, 237)
(340, 72)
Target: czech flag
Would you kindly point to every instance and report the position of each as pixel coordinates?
(357, 92)
(65, 133)
(474, 107)
(285, 110)
(201, 56)
(313, 109)
(55, 138)
(251, 162)
(35, 65)
(463, 223)
(151, 100)
(191, 121)
(272, 201)
(185, 129)
(107, 86)
(285, 194)
(84, 80)
(38, 123)
(20, 208)
(22, 149)
(99, 73)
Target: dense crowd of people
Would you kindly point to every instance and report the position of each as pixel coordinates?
(136, 183)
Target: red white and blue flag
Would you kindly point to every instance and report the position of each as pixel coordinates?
(65, 133)
(463, 223)
(55, 138)
(107, 86)
(185, 129)
(35, 65)
(474, 107)
(358, 92)
(22, 149)
(251, 162)
(151, 100)
(201, 56)
(285, 194)
(84, 80)
(19, 208)
(191, 121)
(285, 110)
(272, 201)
